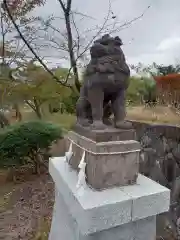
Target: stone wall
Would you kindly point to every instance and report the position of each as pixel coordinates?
(160, 161)
(160, 156)
(169, 131)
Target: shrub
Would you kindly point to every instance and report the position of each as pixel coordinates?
(25, 142)
(141, 90)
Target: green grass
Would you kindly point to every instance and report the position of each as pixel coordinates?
(158, 114)
(65, 120)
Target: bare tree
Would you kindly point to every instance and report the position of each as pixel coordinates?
(13, 51)
(73, 36)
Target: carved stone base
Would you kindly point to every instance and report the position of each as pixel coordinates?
(113, 163)
(105, 135)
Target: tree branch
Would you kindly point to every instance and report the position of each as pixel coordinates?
(98, 33)
(30, 48)
(67, 11)
(30, 104)
(62, 5)
(78, 35)
(68, 8)
(3, 38)
(128, 23)
(70, 42)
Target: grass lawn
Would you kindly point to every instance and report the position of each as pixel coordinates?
(158, 114)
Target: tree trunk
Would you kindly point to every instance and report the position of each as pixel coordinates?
(50, 108)
(71, 52)
(37, 108)
(18, 113)
(3, 120)
(2, 50)
(38, 162)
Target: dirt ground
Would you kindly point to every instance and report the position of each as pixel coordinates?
(24, 207)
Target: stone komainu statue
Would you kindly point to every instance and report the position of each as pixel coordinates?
(105, 82)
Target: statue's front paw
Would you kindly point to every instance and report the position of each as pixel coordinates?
(83, 122)
(98, 125)
(123, 125)
(107, 122)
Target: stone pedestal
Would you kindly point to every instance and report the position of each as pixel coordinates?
(108, 163)
(106, 135)
(120, 213)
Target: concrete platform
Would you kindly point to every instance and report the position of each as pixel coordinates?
(127, 212)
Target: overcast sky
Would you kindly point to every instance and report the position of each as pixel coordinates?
(154, 38)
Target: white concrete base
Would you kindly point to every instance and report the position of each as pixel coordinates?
(122, 213)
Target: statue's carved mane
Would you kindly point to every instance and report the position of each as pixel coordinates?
(107, 57)
(105, 82)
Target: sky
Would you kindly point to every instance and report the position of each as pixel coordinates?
(155, 37)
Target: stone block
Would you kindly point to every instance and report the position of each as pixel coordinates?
(106, 135)
(108, 214)
(148, 197)
(113, 163)
(93, 210)
(66, 226)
